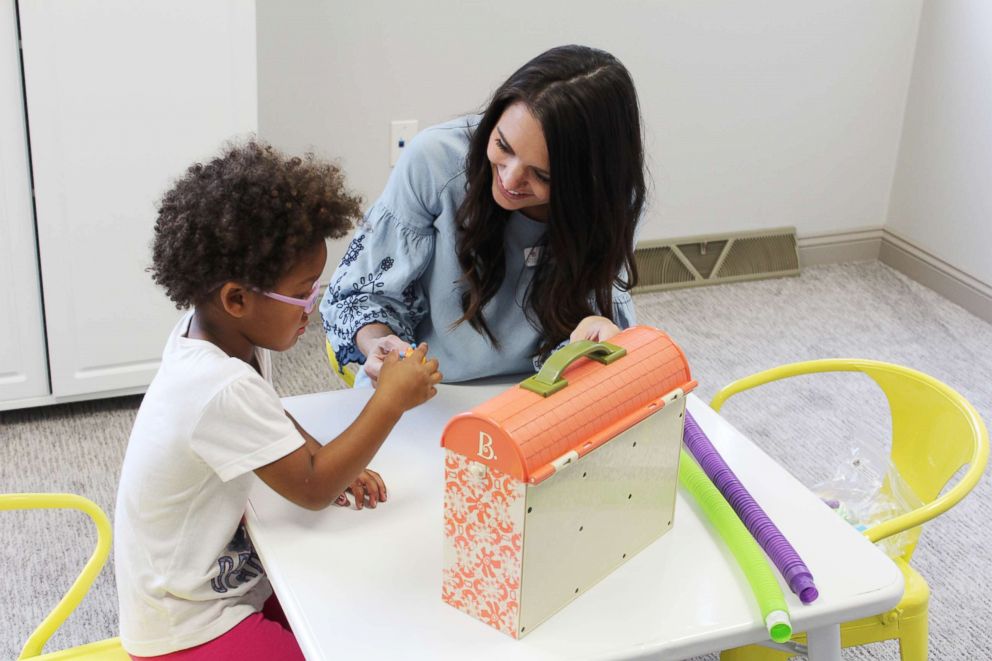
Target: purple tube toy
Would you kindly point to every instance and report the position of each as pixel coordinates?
(761, 527)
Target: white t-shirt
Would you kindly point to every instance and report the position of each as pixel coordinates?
(186, 569)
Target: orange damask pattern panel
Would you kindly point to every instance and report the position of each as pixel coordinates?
(483, 530)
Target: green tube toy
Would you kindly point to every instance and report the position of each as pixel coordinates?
(749, 556)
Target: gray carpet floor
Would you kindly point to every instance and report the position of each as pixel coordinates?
(728, 331)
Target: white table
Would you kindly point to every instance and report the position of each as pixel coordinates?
(367, 584)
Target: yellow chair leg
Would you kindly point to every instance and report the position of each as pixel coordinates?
(914, 642)
(872, 629)
(754, 653)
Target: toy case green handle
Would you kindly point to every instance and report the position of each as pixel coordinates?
(549, 380)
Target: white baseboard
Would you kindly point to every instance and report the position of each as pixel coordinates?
(48, 400)
(860, 245)
(931, 271)
(886, 246)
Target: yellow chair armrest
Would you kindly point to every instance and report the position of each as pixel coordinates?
(936, 507)
(876, 370)
(29, 501)
(785, 372)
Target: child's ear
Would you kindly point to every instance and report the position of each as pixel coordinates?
(234, 298)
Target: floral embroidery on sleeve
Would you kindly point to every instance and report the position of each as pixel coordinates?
(355, 306)
(354, 248)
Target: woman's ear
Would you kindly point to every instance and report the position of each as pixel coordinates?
(235, 299)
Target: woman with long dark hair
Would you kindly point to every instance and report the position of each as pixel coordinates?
(500, 236)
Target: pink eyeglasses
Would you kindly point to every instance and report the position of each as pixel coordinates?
(307, 303)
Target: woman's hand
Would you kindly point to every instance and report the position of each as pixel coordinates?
(408, 382)
(597, 329)
(368, 485)
(377, 349)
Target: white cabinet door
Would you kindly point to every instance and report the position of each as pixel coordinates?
(23, 371)
(122, 96)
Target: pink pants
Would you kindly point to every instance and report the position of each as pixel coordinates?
(263, 636)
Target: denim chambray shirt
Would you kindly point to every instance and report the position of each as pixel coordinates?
(401, 269)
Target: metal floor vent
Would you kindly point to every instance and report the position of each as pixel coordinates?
(712, 259)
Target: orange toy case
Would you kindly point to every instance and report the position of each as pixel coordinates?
(554, 483)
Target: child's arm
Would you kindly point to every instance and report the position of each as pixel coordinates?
(313, 476)
(367, 483)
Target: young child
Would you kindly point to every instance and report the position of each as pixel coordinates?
(241, 240)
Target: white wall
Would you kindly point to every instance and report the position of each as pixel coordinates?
(942, 196)
(757, 114)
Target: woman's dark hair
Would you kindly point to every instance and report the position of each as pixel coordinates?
(586, 104)
(247, 216)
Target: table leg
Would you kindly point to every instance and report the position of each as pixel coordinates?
(824, 643)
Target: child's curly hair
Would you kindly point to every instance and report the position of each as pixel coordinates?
(247, 215)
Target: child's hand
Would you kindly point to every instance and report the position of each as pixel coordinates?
(409, 382)
(369, 485)
(597, 329)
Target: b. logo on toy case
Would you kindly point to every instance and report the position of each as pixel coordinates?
(486, 447)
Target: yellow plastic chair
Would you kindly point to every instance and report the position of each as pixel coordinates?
(346, 374)
(104, 650)
(935, 431)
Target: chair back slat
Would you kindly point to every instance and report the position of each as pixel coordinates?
(933, 431)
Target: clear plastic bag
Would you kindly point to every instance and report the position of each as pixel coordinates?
(866, 490)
